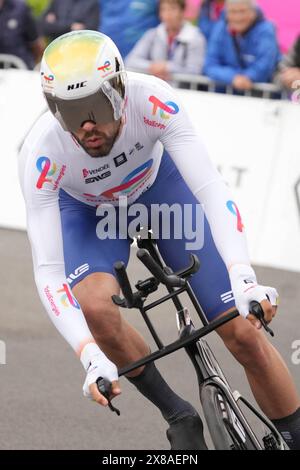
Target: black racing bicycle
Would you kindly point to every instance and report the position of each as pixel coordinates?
(228, 426)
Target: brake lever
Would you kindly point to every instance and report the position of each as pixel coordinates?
(257, 311)
(104, 387)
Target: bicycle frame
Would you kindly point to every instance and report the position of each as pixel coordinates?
(205, 365)
(182, 342)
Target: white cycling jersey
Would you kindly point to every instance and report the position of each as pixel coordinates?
(52, 159)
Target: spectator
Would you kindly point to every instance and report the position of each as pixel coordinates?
(18, 32)
(37, 6)
(243, 48)
(210, 13)
(125, 21)
(289, 68)
(175, 46)
(63, 16)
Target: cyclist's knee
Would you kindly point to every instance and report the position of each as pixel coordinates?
(248, 345)
(103, 317)
(104, 321)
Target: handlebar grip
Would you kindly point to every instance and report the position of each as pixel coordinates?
(124, 283)
(104, 387)
(170, 280)
(257, 311)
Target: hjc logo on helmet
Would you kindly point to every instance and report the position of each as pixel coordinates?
(75, 86)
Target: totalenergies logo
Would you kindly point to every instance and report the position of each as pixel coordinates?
(67, 298)
(46, 169)
(135, 179)
(106, 67)
(168, 107)
(48, 78)
(235, 211)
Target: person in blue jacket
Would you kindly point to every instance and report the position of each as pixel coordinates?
(19, 33)
(211, 11)
(243, 48)
(63, 16)
(125, 21)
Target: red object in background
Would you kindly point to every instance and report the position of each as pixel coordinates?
(217, 10)
(286, 15)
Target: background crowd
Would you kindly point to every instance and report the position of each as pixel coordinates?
(232, 42)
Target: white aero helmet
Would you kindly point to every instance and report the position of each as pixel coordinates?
(84, 79)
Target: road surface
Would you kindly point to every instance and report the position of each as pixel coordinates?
(41, 404)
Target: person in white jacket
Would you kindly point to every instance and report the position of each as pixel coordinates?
(175, 46)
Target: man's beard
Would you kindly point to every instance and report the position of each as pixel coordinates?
(101, 151)
(104, 149)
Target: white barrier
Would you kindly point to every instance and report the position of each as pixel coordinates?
(21, 102)
(253, 141)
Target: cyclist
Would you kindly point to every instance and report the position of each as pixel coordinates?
(108, 135)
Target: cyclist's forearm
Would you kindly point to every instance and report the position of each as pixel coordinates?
(62, 307)
(225, 222)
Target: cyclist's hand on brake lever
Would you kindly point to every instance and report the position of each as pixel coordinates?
(246, 290)
(269, 313)
(98, 365)
(99, 398)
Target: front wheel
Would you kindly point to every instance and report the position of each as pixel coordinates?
(226, 430)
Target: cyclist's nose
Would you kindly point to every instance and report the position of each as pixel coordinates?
(88, 126)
